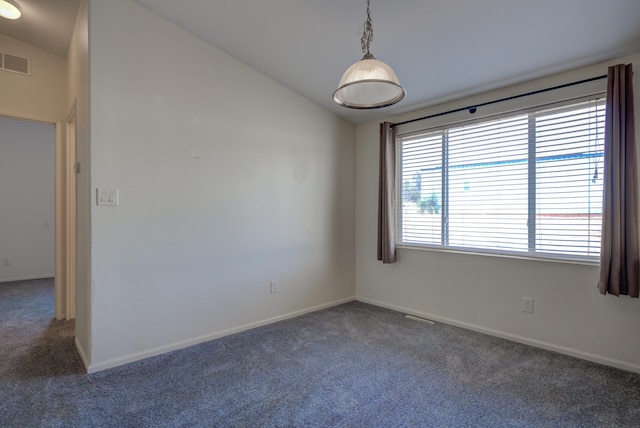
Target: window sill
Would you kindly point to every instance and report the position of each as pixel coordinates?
(506, 255)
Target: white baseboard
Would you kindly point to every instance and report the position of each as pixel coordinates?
(515, 338)
(27, 278)
(114, 362)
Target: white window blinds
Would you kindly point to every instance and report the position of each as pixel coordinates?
(527, 183)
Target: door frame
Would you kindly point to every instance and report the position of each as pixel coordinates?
(60, 279)
(65, 188)
(72, 169)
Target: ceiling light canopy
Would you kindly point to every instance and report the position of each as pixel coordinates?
(9, 9)
(369, 83)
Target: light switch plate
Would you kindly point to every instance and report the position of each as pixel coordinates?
(107, 197)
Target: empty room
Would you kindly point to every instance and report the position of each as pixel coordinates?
(243, 213)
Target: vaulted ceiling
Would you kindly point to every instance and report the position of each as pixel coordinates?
(440, 49)
(45, 24)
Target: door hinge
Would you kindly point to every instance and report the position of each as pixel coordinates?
(76, 168)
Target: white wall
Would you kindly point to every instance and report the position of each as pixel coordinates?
(483, 292)
(78, 93)
(27, 195)
(40, 96)
(227, 180)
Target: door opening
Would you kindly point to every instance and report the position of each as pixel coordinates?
(27, 229)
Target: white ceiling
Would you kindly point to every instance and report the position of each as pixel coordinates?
(440, 49)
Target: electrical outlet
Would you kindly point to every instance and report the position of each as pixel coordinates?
(5, 262)
(527, 304)
(273, 286)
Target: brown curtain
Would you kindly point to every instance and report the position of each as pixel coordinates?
(387, 195)
(619, 260)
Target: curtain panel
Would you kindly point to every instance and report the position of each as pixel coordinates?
(619, 258)
(387, 194)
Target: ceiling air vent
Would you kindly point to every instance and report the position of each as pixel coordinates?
(15, 64)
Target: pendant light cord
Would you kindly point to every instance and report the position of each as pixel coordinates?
(367, 32)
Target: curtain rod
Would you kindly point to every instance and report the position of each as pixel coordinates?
(472, 109)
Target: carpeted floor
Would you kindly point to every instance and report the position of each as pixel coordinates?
(354, 365)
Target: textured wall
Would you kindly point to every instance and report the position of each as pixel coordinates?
(227, 180)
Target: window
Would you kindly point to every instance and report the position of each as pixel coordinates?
(527, 183)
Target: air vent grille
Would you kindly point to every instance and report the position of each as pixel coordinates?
(15, 64)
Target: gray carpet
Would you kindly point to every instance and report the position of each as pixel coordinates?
(354, 365)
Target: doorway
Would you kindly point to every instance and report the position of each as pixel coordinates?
(38, 206)
(27, 192)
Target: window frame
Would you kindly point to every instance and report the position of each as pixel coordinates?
(598, 95)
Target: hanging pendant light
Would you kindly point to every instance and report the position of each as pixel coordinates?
(369, 83)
